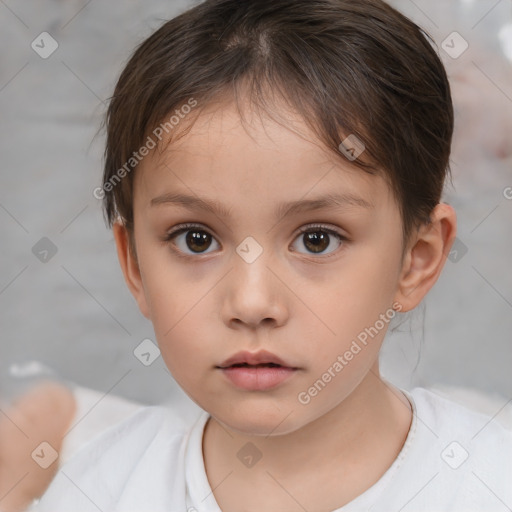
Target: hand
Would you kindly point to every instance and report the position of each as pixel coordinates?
(43, 414)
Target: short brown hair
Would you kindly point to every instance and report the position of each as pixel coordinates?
(346, 67)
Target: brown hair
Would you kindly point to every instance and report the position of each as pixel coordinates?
(346, 67)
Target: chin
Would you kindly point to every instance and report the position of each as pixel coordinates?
(258, 421)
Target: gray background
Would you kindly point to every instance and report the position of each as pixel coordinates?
(74, 313)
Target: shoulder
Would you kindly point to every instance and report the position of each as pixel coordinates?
(99, 473)
(461, 456)
(447, 417)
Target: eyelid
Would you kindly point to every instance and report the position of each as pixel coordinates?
(181, 228)
(325, 227)
(303, 229)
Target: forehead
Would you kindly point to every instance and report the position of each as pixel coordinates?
(229, 153)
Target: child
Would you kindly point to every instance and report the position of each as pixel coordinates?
(273, 177)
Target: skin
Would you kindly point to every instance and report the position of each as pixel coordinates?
(43, 414)
(303, 306)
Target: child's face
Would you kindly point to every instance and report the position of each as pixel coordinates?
(207, 301)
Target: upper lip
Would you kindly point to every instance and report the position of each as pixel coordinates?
(253, 358)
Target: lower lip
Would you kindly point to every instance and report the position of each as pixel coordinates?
(257, 379)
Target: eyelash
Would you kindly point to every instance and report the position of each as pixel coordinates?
(312, 228)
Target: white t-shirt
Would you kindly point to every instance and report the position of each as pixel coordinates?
(453, 460)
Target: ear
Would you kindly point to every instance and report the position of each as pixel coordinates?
(130, 267)
(426, 256)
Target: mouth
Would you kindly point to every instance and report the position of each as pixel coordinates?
(258, 377)
(247, 365)
(258, 371)
(261, 359)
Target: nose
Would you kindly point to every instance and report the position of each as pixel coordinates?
(253, 296)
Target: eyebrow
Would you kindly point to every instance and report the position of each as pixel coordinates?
(337, 201)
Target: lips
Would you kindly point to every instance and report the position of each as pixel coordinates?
(262, 358)
(256, 371)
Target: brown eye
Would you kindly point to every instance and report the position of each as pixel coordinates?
(198, 241)
(320, 241)
(192, 240)
(316, 241)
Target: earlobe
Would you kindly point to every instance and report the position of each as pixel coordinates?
(426, 257)
(130, 267)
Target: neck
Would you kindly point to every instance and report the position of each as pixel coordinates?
(358, 440)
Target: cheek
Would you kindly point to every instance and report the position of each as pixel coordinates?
(355, 309)
(180, 327)
(178, 319)
(178, 304)
(170, 293)
(360, 290)
(379, 269)
(167, 296)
